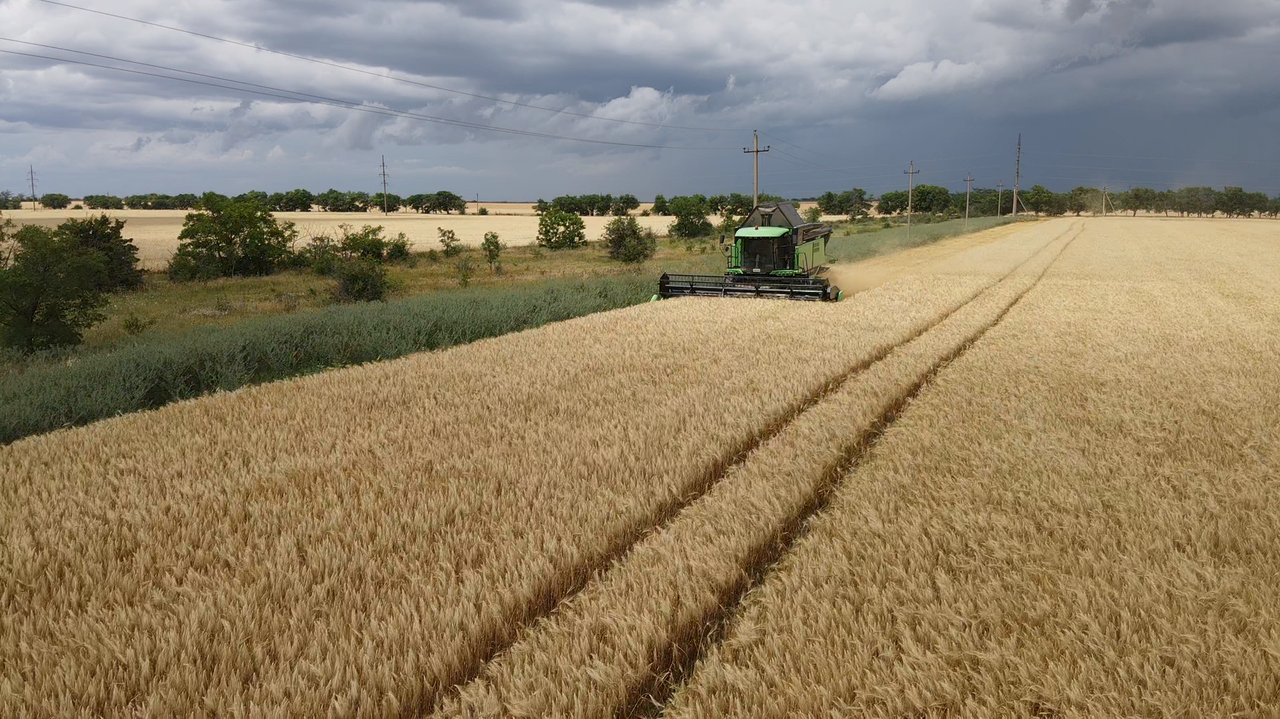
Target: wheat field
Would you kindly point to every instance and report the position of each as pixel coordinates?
(1082, 521)
(1034, 473)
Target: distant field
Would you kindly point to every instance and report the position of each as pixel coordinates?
(155, 232)
(1031, 474)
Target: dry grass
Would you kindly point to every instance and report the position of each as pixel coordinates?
(605, 650)
(1075, 522)
(359, 541)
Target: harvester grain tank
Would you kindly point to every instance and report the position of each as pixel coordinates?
(774, 253)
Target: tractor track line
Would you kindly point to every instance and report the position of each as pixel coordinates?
(544, 603)
(652, 700)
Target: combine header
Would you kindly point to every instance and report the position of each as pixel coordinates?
(774, 254)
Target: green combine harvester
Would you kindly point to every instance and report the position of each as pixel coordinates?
(774, 253)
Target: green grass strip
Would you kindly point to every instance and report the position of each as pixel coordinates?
(154, 372)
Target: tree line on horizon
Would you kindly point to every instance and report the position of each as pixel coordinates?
(299, 200)
(1185, 202)
(855, 203)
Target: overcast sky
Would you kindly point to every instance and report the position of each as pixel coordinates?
(1156, 92)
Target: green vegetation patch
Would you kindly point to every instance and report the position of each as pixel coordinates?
(155, 372)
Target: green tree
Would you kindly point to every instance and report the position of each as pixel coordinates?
(627, 241)
(738, 205)
(393, 202)
(623, 205)
(54, 201)
(10, 201)
(291, 201)
(812, 214)
(228, 239)
(660, 206)
(48, 288)
(691, 216)
(931, 200)
(1039, 199)
(558, 230)
(103, 202)
(892, 203)
(1081, 200)
(541, 206)
(104, 236)
(257, 196)
(492, 247)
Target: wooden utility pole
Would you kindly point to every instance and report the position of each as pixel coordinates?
(1104, 200)
(384, 184)
(999, 198)
(968, 191)
(1017, 176)
(755, 192)
(911, 191)
(32, 176)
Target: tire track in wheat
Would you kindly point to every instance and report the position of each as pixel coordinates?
(680, 513)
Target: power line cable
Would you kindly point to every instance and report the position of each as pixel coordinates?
(394, 78)
(296, 96)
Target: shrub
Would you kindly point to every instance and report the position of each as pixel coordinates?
(229, 238)
(482, 211)
(450, 242)
(361, 280)
(398, 249)
(321, 255)
(492, 247)
(558, 230)
(133, 325)
(49, 289)
(466, 270)
(366, 243)
(104, 236)
(812, 214)
(626, 241)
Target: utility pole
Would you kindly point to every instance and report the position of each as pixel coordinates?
(1017, 176)
(384, 184)
(32, 176)
(911, 191)
(1104, 200)
(999, 198)
(755, 195)
(968, 190)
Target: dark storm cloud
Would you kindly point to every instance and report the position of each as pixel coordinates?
(862, 81)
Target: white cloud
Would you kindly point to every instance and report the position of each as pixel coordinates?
(931, 78)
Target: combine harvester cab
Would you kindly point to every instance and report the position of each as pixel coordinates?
(774, 254)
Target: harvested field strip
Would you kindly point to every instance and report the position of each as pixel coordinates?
(1083, 522)
(622, 644)
(362, 540)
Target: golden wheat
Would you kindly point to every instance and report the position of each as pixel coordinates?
(357, 542)
(1079, 517)
(601, 650)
